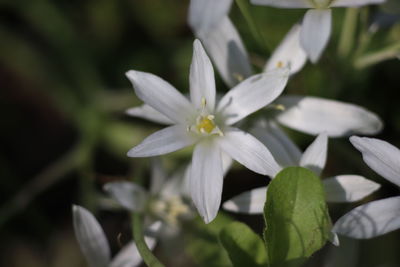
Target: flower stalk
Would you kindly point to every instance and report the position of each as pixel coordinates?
(145, 252)
(347, 36)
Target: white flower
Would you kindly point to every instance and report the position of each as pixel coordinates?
(311, 115)
(226, 49)
(316, 28)
(381, 216)
(94, 245)
(165, 200)
(208, 125)
(341, 188)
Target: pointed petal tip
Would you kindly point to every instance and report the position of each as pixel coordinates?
(208, 219)
(334, 239)
(196, 42)
(131, 153)
(75, 208)
(229, 205)
(354, 139)
(130, 73)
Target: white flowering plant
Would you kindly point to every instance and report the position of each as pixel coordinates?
(217, 129)
(233, 138)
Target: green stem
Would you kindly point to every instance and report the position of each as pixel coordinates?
(365, 36)
(145, 252)
(245, 9)
(348, 32)
(376, 57)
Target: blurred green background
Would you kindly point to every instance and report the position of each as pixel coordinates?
(64, 133)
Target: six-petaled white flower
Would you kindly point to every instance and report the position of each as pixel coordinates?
(206, 124)
(165, 201)
(311, 115)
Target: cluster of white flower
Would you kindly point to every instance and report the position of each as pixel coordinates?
(210, 124)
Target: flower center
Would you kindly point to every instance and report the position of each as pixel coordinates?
(169, 209)
(205, 122)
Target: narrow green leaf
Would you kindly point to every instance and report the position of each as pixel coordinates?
(347, 36)
(244, 247)
(296, 215)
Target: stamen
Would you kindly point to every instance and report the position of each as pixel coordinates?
(203, 102)
(239, 77)
(280, 107)
(279, 64)
(205, 124)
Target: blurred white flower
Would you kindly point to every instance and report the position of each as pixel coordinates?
(317, 22)
(310, 115)
(165, 201)
(381, 216)
(206, 124)
(94, 244)
(341, 188)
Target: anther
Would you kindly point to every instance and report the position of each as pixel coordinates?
(203, 102)
(239, 77)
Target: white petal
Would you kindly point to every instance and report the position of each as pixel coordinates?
(370, 220)
(288, 53)
(202, 83)
(355, 3)
(314, 158)
(315, 115)
(91, 237)
(129, 256)
(167, 140)
(348, 188)
(283, 3)
(149, 113)
(227, 51)
(252, 94)
(158, 176)
(315, 32)
(334, 239)
(248, 151)
(380, 156)
(161, 96)
(250, 202)
(278, 143)
(204, 15)
(129, 195)
(206, 179)
(174, 186)
(185, 187)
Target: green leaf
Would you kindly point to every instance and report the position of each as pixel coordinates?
(296, 215)
(244, 247)
(202, 242)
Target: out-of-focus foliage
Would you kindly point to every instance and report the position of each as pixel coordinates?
(245, 248)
